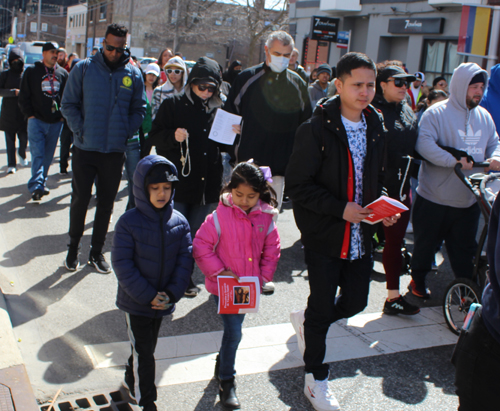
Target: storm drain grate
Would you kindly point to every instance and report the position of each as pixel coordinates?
(113, 401)
(6, 403)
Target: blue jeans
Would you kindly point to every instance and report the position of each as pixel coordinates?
(230, 341)
(133, 154)
(43, 141)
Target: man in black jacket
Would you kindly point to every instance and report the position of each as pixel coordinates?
(336, 168)
(40, 102)
(273, 102)
(12, 121)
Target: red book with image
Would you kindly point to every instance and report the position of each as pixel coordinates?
(238, 297)
(384, 207)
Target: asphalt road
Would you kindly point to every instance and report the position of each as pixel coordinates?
(57, 314)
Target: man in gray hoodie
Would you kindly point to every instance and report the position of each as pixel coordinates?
(445, 208)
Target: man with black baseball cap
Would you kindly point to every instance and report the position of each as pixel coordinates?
(40, 102)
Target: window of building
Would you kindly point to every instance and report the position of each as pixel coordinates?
(440, 58)
(315, 53)
(54, 29)
(102, 11)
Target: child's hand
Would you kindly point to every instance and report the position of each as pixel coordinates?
(161, 301)
(231, 274)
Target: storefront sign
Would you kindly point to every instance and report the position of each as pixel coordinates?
(343, 40)
(417, 26)
(324, 28)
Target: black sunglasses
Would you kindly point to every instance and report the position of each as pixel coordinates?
(400, 82)
(176, 71)
(113, 48)
(203, 87)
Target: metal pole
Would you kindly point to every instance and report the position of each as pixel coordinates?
(25, 23)
(494, 33)
(130, 20)
(349, 42)
(176, 33)
(39, 22)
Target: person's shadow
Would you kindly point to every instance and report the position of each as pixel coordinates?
(402, 380)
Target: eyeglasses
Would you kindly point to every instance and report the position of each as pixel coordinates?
(119, 50)
(177, 71)
(399, 82)
(203, 87)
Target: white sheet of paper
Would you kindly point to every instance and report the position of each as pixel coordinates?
(222, 127)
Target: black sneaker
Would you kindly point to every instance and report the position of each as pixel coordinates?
(420, 292)
(71, 262)
(400, 306)
(192, 291)
(150, 407)
(99, 262)
(46, 191)
(37, 195)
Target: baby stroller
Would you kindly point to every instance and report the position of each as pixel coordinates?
(462, 292)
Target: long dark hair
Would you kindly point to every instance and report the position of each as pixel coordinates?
(162, 63)
(155, 84)
(251, 175)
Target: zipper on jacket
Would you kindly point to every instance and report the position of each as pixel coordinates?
(162, 245)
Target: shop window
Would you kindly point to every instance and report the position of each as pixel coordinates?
(440, 58)
(315, 53)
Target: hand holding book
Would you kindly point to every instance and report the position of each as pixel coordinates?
(384, 209)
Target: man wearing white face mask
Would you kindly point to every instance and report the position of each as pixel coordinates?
(273, 102)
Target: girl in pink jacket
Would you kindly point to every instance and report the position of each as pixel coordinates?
(249, 245)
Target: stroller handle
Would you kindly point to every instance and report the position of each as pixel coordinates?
(465, 180)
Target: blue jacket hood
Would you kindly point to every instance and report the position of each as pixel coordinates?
(142, 202)
(491, 98)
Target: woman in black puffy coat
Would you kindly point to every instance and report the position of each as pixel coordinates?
(401, 124)
(180, 133)
(12, 121)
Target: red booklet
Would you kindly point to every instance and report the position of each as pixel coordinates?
(238, 297)
(384, 207)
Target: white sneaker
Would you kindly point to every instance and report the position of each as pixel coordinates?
(24, 162)
(11, 170)
(268, 288)
(320, 395)
(297, 319)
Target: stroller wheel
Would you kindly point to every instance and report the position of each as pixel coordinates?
(459, 296)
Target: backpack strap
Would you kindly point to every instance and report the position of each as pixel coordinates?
(217, 228)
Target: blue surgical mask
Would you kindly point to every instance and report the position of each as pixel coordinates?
(279, 63)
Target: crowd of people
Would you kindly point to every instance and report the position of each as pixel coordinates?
(333, 142)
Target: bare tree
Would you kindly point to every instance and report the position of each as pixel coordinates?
(263, 17)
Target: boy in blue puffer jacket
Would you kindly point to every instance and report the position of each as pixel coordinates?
(151, 257)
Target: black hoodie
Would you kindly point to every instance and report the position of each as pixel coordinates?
(186, 110)
(35, 97)
(11, 118)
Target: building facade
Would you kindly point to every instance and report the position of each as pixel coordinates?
(421, 34)
(76, 29)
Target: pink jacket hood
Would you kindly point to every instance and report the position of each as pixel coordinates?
(249, 244)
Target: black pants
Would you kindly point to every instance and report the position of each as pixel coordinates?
(10, 141)
(66, 141)
(141, 368)
(477, 361)
(326, 274)
(457, 226)
(87, 165)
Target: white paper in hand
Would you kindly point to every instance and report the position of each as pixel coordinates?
(222, 127)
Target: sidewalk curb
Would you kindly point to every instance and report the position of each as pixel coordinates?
(12, 369)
